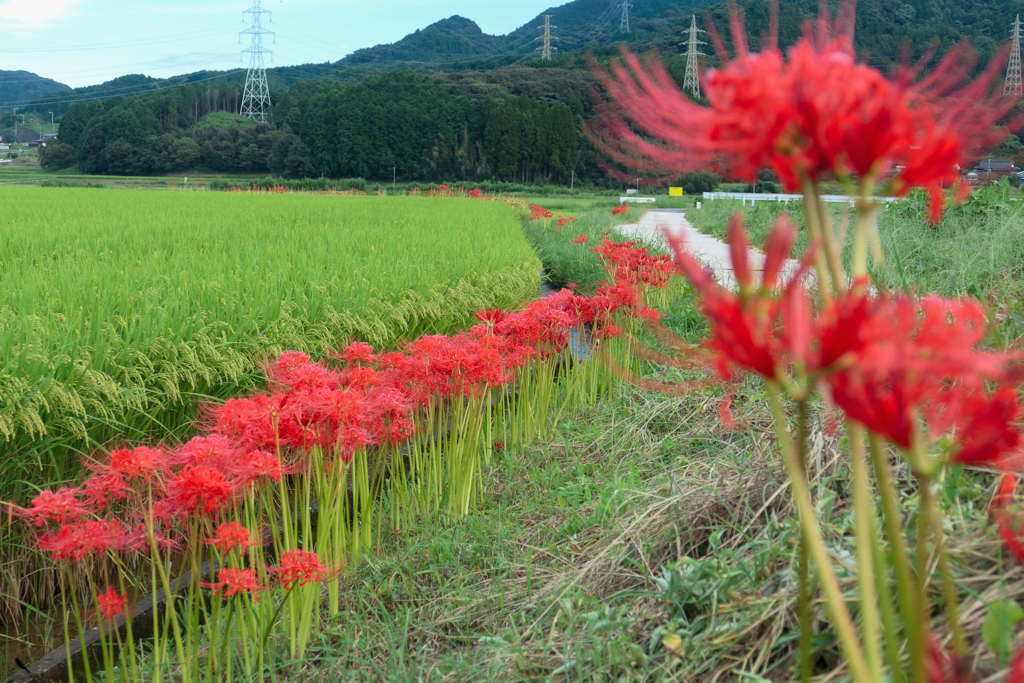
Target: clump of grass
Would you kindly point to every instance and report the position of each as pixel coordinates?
(566, 262)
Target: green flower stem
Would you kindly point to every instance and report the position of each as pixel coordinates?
(825, 285)
(866, 541)
(830, 244)
(905, 584)
(804, 560)
(889, 623)
(834, 600)
(931, 508)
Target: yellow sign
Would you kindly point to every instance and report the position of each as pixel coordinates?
(675, 192)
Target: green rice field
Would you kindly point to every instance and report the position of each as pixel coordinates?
(123, 311)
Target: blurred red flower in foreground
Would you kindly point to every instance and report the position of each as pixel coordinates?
(887, 361)
(754, 329)
(787, 113)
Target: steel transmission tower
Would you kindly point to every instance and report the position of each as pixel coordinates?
(691, 80)
(624, 22)
(1013, 82)
(256, 96)
(545, 52)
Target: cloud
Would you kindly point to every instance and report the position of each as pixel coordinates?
(34, 14)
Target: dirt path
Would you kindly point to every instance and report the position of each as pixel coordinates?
(711, 252)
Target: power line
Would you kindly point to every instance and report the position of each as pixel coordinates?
(256, 96)
(1013, 80)
(119, 92)
(175, 38)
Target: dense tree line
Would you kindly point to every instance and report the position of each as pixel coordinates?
(401, 123)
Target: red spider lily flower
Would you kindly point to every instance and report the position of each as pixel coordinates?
(539, 212)
(989, 433)
(76, 541)
(199, 490)
(941, 667)
(230, 536)
(359, 353)
(259, 422)
(171, 541)
(1009, 528)
(235, 581)
(62, 507)
(790, 115)
(261, 465)
(650, 315)
(1005, 490)
(582, 239)
(288, 364)
(963, 123)
(620, 209)
(110, 604)
(299, 567)
(216, 451)
(140, 463)
(499, 446)
(745, 328)
(360, 376)
(101, 490)
(1015, 668)
(919, 358)
(491, 316)
(390, 360)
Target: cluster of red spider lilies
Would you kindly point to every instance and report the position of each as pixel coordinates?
(910, 375)
(408, 432)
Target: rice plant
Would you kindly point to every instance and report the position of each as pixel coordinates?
(123, 312)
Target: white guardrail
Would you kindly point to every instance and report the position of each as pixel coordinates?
(763, 197)
(633, 199)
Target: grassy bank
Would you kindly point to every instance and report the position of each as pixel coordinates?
(977, 248)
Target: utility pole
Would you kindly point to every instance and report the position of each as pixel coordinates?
(53, 128)
(624, 22)
(691, 80)
(545, 52)
(1013, 81)
(256, 96)
(15, 124)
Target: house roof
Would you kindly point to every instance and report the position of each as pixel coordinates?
(989, 165)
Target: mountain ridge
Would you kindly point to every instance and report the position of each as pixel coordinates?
(457, 44)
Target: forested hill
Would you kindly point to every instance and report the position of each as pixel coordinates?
(384, 113)
(457, 44)
(25, 85)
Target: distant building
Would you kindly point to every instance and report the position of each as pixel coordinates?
(989, 170)
(4, 146)
(27, 136)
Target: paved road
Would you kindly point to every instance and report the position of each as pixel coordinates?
(711, 252)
